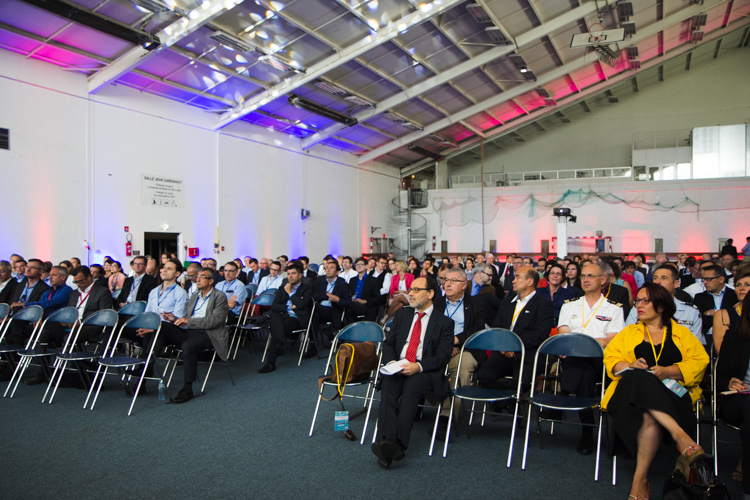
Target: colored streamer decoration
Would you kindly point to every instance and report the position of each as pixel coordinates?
(461, 211)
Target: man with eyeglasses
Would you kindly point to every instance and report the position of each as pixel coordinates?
(30, 288)
(600, 318)
(510, 272)
(211, 264)
(234, 289)
(191, 278)
(698, 286)
(273, 280)
(612, 291)
(468, 318)
(718, 295)
(14, 259)
(365, 293)
(138, 286)
(331, 293)
(480, 283)
(686, 315)
(421, 341)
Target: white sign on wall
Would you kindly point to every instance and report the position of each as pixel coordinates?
(161, 191)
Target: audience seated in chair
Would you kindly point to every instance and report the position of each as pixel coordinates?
(254, 273)
(642, 406)
(30, 288)
(555, 292)
(365, 292)
(331, 293)
(424, 339)
(137, 287)
(191, 278)
(716, 297)
(398, 297)
(7, 282)
(726, 320)
(234, 289)
(273, 280)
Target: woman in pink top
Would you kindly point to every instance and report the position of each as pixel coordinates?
(116, 279)
(399, 294)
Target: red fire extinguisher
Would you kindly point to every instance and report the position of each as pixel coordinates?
(129, 245)
(434, 244)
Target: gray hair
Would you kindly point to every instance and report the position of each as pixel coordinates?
(606, 268)
(62, 270)
(5, 264)
(481, 268)
(457, 270)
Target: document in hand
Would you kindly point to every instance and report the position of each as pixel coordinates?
(631, 368)
(393, 368)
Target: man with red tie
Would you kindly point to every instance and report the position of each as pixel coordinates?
(421, 342)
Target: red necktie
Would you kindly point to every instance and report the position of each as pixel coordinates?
(416, 336)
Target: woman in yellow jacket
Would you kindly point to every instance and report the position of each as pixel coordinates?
(656, 366)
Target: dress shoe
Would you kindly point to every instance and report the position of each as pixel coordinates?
(392, 450)
(378, 451)
(585, 445)
(267, 368)
(39, 378)
(185, 395)
(311, 353)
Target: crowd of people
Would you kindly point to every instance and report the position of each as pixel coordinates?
(658, 322)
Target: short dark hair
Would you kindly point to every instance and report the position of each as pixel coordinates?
(47, 267)
(253, 261)
(742, 272)
(661, 299)
(628, 265)
(690, 261)
(233, 264)
(211, 272)
(671, 269)
(116, 262)
(432, 284)
(730, 241)
(66, 263)
(334, 261)
(382, 257)
(717, 269)
(140, 257)
(38, 261)
(178, 265)
(346, 257)
(275, 262)
(98, 266)
(304, 259)
(295, 265)
(361, 259)
(282, 256)
(82, 270)
(558, 266)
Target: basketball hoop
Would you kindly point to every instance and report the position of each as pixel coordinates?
(596, 33)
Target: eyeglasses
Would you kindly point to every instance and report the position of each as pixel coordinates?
(416, 290)
(203, 277)
(711, 278)
(556, 274)
(590, 276)
(453, 281)
(275, 269)
(79, 282)
(641, 301)
(488, 274)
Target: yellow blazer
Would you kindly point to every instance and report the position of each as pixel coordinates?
(692, 366)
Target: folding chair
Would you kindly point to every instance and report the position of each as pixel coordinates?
(32, 314)
(104, 318)
(147, 321)
(251, 289)
(132, 309)
(306, 342)
(65, 315)
(248, 325)
(357, 332)
(269, 291)
(313, 267)
(715, 421)
(493, 339)
(176, 360)
(574, 345)
(4, 310)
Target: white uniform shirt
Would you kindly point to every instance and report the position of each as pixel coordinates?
(602, 319)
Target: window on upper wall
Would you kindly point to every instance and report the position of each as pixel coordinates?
(720, 152)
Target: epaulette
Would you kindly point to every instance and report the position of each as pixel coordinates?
(618, 304)
(572, 300)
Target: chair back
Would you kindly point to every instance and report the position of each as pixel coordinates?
(146, 320)
(269, 291)
(495, 339)
(251, 289)
(362, 331)
(105, 317)
(30, 313)
(134, 308)
(64, 315)
(4, 310)
(575, 345)
(313, 267)
(388, 324)
(263, 299)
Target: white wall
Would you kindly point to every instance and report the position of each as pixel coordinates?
(723, 209)
(80, 159)
(712, 92)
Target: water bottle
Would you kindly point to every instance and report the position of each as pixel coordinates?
(162, 391)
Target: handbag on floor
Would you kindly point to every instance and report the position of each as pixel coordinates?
(702, 484)
(354, 362)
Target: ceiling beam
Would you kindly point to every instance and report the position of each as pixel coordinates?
(475, 130)
(550, 76)
(484, 58)
(344, 55)
(170, 35)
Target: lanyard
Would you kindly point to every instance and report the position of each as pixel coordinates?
(447, 303)
(270, 283)
(27, 291)
(166, 294)
(195, 306)
(583, 314)
(227, 286)
(82, 298)
(516, 314)
(663, 341)
(330, 287)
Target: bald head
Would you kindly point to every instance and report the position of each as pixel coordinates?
(525, 280)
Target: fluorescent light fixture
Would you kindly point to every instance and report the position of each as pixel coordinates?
(632, 52)
(696, 36)
(358, 101)
(624, 9)
(425, 152)
(231, 42)
(635, 64)
(319, 109)
(277, 63)
(393, 117)
(523, 70)
(478, 13)
(331, 88)
(699, 20)
(548, 101)
(542, 92)
(411, 126)
(152, 6)
(497, 36)
(517, 61)
(629, 27)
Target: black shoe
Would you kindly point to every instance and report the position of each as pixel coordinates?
(384, 462)
(39, 378)
(267, 368)
(311, 353)
(441, 429)
(185, 395)
(132, 388)
(585, 445)
(392, 450)
(551, 414)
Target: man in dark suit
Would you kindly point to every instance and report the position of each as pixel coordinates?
(332, 297)
(364, 292)
(529, 316)
(7, 282)
(510, 273)
(255, 273)
(729, 249)
(717, 296)
(421, 341)
(136, 287)
(468, 318)
(30, 288)
(88, 299)
(290, 311)
(307, 273)
(203, 327)
(382, 280)
(612, 291)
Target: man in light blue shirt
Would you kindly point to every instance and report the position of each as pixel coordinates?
(746, 249)
(686, 315)
(273, 280)
(234, 289)
(169, 298)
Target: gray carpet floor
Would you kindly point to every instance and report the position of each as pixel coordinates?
(251, 441)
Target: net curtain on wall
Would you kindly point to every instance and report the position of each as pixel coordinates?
(454, 212)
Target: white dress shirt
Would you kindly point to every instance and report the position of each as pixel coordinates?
(425, 320)
(520, 306)
(83, 299)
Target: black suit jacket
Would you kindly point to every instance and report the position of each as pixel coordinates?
(301, 300)
(148, 283)
(729, 250)
(378, 285)
(263, 273)
(705, 302)
(437, 346)
(7, 292)
(619, 295)
(100, 298)
(686, 280)
(34, 296)
(473, 321)
(533, 325)
(508, 284)
(340, 289)
(733, 360)
(370, 292)
(682, 295)
(309, 273)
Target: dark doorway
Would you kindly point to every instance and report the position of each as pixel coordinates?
(155, 244)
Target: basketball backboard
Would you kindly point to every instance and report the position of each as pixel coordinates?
(604, 37)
